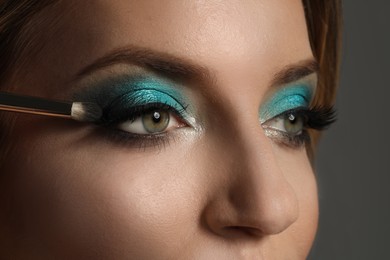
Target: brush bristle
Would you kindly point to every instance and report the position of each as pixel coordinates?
(86, 112)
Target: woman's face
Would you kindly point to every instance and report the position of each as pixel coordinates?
(191, 160)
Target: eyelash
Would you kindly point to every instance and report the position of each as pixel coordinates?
(316, 118)
(136, 111)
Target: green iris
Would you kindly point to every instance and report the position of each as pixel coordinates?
(156, 121)
(293, 124)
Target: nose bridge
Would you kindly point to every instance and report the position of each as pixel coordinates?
(258, 196)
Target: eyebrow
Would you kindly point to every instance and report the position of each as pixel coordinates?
(176, 68)
(161, 63)
(294, 72)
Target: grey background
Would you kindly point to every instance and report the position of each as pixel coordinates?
(354, 157)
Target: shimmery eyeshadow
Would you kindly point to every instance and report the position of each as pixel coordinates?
(118, 95)
(286, 99)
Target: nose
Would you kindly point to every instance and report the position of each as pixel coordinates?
(253, 197)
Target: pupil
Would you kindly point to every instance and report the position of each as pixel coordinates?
(156, 117)
(292, 118)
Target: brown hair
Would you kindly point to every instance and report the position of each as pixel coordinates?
(323, 21)
(16, 35)
(16, 45)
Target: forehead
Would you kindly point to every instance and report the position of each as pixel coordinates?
(212, 26)
(255, 36)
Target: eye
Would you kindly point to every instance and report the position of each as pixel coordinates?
(290, 127)
(152, 121)
(291, 123)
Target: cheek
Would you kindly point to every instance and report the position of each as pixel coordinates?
(120, 200)
(78, 191)
(300, 175)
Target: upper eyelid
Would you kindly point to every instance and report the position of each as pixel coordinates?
(116, 106)
(107, 90)
(286, 99)
(309, 81)
(298, 110)
(149, 89)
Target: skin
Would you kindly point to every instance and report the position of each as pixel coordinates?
(229, 192)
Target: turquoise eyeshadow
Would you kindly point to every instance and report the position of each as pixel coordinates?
(119, 95)
(141, 97)
(286, 99)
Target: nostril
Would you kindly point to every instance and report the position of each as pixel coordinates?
(236, 231)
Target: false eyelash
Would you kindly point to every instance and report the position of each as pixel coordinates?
(318, 118)
(321, 118)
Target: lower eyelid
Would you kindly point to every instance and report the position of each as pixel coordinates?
(127, 140)
(143, 142)
(282, 138)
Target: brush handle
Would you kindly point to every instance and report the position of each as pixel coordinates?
(34, 105)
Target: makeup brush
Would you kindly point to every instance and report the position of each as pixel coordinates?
(80, 111)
